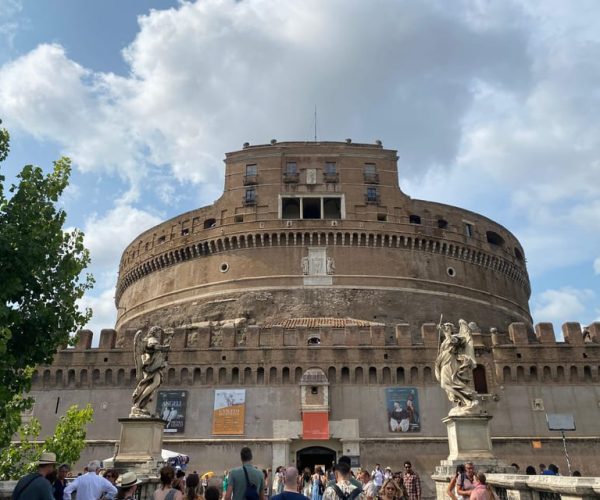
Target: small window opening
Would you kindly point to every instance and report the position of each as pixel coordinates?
(208, 223)
(185, 231)
(518, 254)
(251, 170)
(382, 217)
(442, 224)
(451, 272)
(161, 239)
(314, 390)
(291, 168)
(479, 380)
(330, 168)
(311, 208)
(238, 218)
(469, 230)
(414, 219)
(494, 238)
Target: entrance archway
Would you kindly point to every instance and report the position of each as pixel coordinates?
(313, 456)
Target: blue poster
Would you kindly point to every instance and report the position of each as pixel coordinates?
(403, 409)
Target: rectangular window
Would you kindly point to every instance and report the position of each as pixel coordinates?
(469, 230)
(250, 196)
(371, 194)
(311, 208)
(330, 168)
(291, 168)
(370, 173)
(251, 169)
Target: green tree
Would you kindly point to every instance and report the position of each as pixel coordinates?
(67, 442)
(40, 268)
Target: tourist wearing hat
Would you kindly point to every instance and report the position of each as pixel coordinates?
(34, 486)
(127, 484)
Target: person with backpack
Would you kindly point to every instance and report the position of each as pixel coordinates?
(35, 486)
(344, 488)
(290, 486)
(245, 482)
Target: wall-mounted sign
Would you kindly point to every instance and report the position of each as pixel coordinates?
(171, 407)
(403, 409)
(229, 412)
(315, 425)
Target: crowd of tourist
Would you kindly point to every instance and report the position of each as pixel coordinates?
(247, 482)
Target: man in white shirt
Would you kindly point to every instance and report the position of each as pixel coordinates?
(377, 476)
(90, 486)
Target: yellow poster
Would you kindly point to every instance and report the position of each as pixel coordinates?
(229, 412)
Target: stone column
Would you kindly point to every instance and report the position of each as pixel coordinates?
(140, 445)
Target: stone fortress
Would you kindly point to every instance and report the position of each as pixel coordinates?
(316, 284)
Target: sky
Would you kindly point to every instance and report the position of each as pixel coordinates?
(493, 106)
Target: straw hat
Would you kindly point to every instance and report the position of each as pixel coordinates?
(47, 458)
(127, 480)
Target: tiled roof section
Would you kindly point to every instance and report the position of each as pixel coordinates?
(322, 323)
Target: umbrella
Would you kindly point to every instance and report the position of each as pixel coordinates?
(207, 475)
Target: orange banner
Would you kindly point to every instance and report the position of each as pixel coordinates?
(315, 425)
(229, 413)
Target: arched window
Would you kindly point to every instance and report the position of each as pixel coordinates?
(520, 374)
(494, 238)
(427, 376)
(358, 375)
(546, 374)
(372, 375)
(273, 375)
(247, 375)
(414, 375)
(222, 375)
(298, 374)
(209, 376)
(235, 376)
(387, 375)
(400, 379)
(260, 376)
(331, 374)
(285, 375)
(208, 223)
(345, 375)
(196, 376)
(479, 379)
(506, 374)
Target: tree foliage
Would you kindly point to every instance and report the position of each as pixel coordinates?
(40, 268)
(67, 442)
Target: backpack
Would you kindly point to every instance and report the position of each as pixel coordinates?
(343, 496)
(251, 492)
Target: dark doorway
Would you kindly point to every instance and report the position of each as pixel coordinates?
(314, 456)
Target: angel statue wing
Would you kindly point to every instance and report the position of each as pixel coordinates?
(138, 350)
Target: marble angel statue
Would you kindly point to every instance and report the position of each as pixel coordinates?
(150, 352)
(454, 367)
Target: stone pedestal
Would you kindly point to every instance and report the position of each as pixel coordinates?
(468, 441)
(140, 445)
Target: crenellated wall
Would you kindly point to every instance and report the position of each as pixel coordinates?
(254, 355)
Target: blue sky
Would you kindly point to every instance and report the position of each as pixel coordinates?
(492, 106)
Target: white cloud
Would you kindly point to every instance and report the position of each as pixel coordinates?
(597, 265)
(107, 236)
(563, 305)
(492, 106)
(104, 311)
